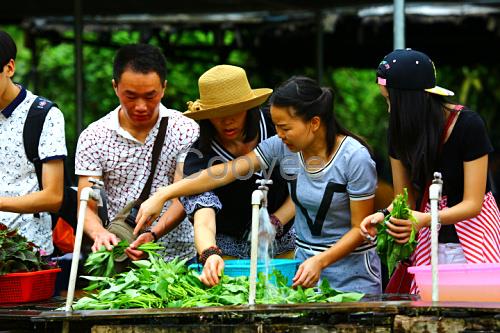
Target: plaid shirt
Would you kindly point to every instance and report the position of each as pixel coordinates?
(107, 150)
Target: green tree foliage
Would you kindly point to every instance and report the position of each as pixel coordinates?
(359, 105)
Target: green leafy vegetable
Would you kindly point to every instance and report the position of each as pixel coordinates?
(154, 283)
(17, 254)
(391, 252)
(102, 262)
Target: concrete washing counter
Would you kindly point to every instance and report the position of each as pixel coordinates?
(384, 313)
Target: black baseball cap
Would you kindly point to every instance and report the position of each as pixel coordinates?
(407, 69)
(8, 49)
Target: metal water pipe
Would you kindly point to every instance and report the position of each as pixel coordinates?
(435, 191)
(87, 193)
(78, 30)
(399, 24)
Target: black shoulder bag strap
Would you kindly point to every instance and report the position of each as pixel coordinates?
(159, 141)
(32, 131)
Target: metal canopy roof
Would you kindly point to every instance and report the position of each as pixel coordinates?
(14, 12)
(352, 34)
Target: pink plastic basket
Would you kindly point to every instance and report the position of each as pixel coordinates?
(28, 286)
(460, 282)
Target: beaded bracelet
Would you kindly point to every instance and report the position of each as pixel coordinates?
(277, 224)
(208, 252)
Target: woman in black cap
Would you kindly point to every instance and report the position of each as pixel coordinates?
(427, 134)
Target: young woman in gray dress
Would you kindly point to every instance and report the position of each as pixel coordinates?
(332, 182)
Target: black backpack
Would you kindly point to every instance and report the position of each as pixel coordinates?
(31, 138)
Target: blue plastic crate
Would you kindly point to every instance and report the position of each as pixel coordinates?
(241, 267)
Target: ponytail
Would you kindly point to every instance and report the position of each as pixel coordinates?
(309, 100)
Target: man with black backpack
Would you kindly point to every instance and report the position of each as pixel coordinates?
(26, 198)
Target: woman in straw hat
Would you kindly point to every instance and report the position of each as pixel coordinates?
(232, 124)
(332, 183)
(428, 134)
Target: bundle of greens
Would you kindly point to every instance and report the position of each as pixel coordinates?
(17, 254)
(155, 283)
(102, 262)
(389, 251)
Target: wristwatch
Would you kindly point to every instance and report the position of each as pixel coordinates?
(384, 211)
(150, 230)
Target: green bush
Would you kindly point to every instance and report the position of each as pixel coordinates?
(359, 105)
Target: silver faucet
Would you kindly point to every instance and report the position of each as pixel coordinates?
(264, 188)
(97, 187)
(438, 179)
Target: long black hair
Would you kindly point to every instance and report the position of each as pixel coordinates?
(250, 132)
(308, 99)
(416, 124)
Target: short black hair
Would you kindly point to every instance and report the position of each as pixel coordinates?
(141, 58)
(8, 49)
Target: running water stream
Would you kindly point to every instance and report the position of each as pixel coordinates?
(261, 236)
(267, 233)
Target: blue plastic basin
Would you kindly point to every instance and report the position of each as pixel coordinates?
(241, 267)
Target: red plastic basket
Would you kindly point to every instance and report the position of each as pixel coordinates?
(27, 286)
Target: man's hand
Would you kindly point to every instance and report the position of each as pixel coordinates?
(133, 253)
(212, 270)
(106, 239)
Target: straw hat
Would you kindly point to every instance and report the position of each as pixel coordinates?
(224, 90)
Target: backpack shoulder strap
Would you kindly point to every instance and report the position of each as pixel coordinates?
(32, 131)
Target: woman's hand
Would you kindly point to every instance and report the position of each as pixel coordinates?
(308, 273)
(401, 229)
(212, 270)
(368, 226)
(149, 211)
